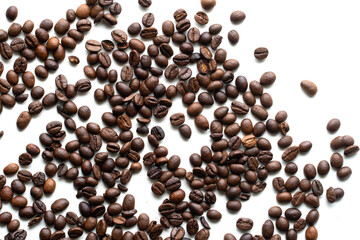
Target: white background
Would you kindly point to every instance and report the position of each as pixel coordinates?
(314, 40)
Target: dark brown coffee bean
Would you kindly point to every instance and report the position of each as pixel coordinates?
(290, 153)
(261, 53)
(201, 18)
(305, 146)
(149, 33)
(309, 87)
(244, 224)
(333, 125)
(237, 16)
(59, 205)
(145, 3)
(233, 36)
(351, 150)
(6, 51)
(11, 13)
(93, 46)
(344, 173)
(309, 171)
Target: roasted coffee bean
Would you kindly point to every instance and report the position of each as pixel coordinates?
(6, 51)
(244, 224)
(305, 146)
(201, 18)
(93, 46)
(309, 171)
(149, 33)
(11, 13)
(145, 3)
(344, 173)
(323, 168)
(333, 125)
(233, 36)
(59, 205)
(290, 153)
(261, 53)
(237, 16)
(351, 150)
(309, 87)
(23, 120)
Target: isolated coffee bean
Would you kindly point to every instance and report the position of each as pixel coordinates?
(208, 4)
(309, 87)
(23, 120)
(333, 125)
(261, 53)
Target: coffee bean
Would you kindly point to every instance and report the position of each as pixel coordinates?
(290, 153)
(333, 125)
(93, 46)
(233, 36)
(201, 122)
(11, 169)
(309, 171)
(145, 3)
(59, 205)
(149, 33)
(201, 18)
(285, 141)
(282, 224)
(11, 13)
(309, 87)
(74, 60)
(208, 4)
(148, 19)
(344, 173)
(259, 112)
(237, 16)
(6, 51)
(323, 168)
(311, 233)
(244, 224)
(23, 120)
(20, 65)
(305, 146)
(185, 131)
(261, 53)
(351, 150)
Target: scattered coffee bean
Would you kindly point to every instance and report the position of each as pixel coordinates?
(309, 87)
(261, 53)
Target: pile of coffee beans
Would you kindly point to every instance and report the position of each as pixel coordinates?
(238, 167)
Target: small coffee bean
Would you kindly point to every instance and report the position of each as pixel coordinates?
(344, 173)
(305, 146)
(290, 153)
(323, 168)
(309, 87)
(233, 36)
(311, 233)
(351, 150)
(261, 53)
(201, 18)
(11, 13)
(333, 125)
(237, 16)
(145, 3)
(244, 224)
(74, 60)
